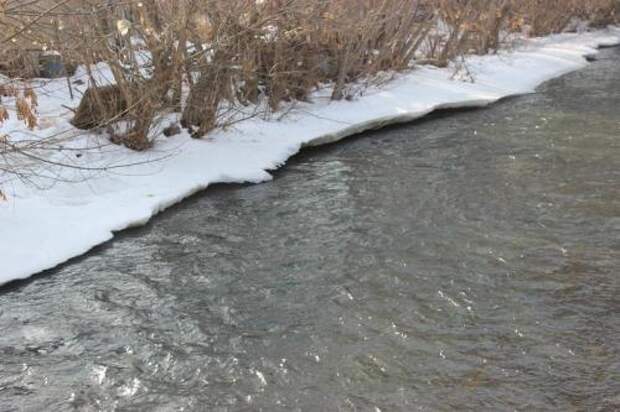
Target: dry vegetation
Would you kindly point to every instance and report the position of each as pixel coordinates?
(220, 60)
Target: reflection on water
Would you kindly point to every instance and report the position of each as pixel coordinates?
(468, 262)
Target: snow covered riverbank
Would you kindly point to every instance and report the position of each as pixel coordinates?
(43, 227)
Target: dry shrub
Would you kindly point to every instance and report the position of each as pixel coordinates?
(476, 26)
(235, 58)
(25, 101)
(466, 26)
(139, 42)
(282, 52)
(551, 16)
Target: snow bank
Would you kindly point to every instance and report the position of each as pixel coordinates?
(43, 227)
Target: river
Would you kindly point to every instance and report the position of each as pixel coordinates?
(467, 261)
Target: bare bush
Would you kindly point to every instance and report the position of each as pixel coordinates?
(551, 16)
(219, 60)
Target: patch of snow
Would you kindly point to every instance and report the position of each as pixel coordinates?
(41, 228)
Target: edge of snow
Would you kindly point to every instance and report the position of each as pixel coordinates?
(40, 229)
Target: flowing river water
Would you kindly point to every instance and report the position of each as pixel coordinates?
(468, 261)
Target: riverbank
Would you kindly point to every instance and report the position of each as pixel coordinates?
(73, 210)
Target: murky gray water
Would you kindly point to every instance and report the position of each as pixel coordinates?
(466, 262)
